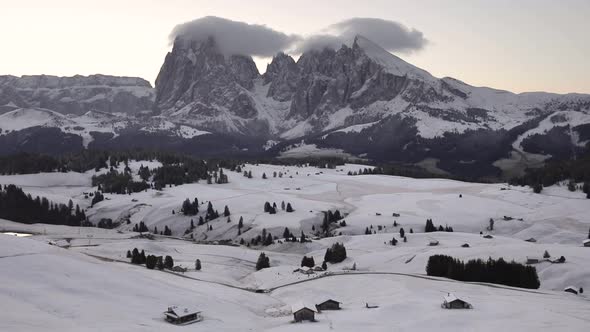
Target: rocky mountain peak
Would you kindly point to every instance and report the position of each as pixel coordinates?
(198, 85)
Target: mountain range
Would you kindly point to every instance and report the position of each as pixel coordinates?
(358, 101)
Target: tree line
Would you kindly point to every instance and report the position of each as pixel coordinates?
(17, 206)
(493, 271)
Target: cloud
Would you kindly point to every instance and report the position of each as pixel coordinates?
(234, 37)
(390, 35)
(317, 42)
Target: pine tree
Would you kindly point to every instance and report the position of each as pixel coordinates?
(129, 254)
(283, 205)
(198, 265)
(546, 254)
(226, 211)
(324, 265)
(241, 223)
(286, 233)
(142, 257)
(160, 263)
(302, 238)
(289, 207)
(168, 262)
(151, 261)
(402, 232)
(264, 175)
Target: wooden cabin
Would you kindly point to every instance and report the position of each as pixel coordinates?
(303, 312)
(328, 305)
(571, 289)
(433, 243)
(531, 240)
(453, 302)
(182, 316)
(532, 260)
(586, 243)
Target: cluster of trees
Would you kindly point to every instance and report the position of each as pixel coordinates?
(190, 208)
(118, 183)
(366, 171)
(265, 239)
(553, 172)
(290, 237)
(429, 228)
(151, 261)
(336, 253)
(107, 223)
(263, 262)
(25, 163)
(307, 261)
(492, 271)
(96, 198)
(140, 228)
(272, 209)
(329, 218)
(85, 160)
(17, 206)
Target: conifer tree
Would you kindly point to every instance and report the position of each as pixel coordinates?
(198, 265)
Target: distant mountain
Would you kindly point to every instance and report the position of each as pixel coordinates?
(357, 101)
(77, 94)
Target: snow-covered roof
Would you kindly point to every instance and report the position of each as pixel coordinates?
(329, 300)
(176, 311)
(570, 287)
(586, 241)
(450, 297)
(301, 305)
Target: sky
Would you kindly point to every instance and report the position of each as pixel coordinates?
(524, 45)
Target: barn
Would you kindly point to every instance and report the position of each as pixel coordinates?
(303, 312)
(328, 305)
(453, 302)
(182, 316)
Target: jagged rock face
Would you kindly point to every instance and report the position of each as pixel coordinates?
(282, 74)
(198, 85)
(77, 94)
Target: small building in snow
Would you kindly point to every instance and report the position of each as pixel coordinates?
(586, 243)
(531, 240)
(433, 243)
(453, 302)
(571, 289)
(488, 236)
(328, 305)
(303, 312)
(182, 316)
(532, 260)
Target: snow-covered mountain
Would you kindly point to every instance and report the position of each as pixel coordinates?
(77, 94)
(358, 99)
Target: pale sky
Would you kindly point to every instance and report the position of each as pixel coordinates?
(517, 45)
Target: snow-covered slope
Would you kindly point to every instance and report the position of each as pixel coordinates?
(90, 286)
